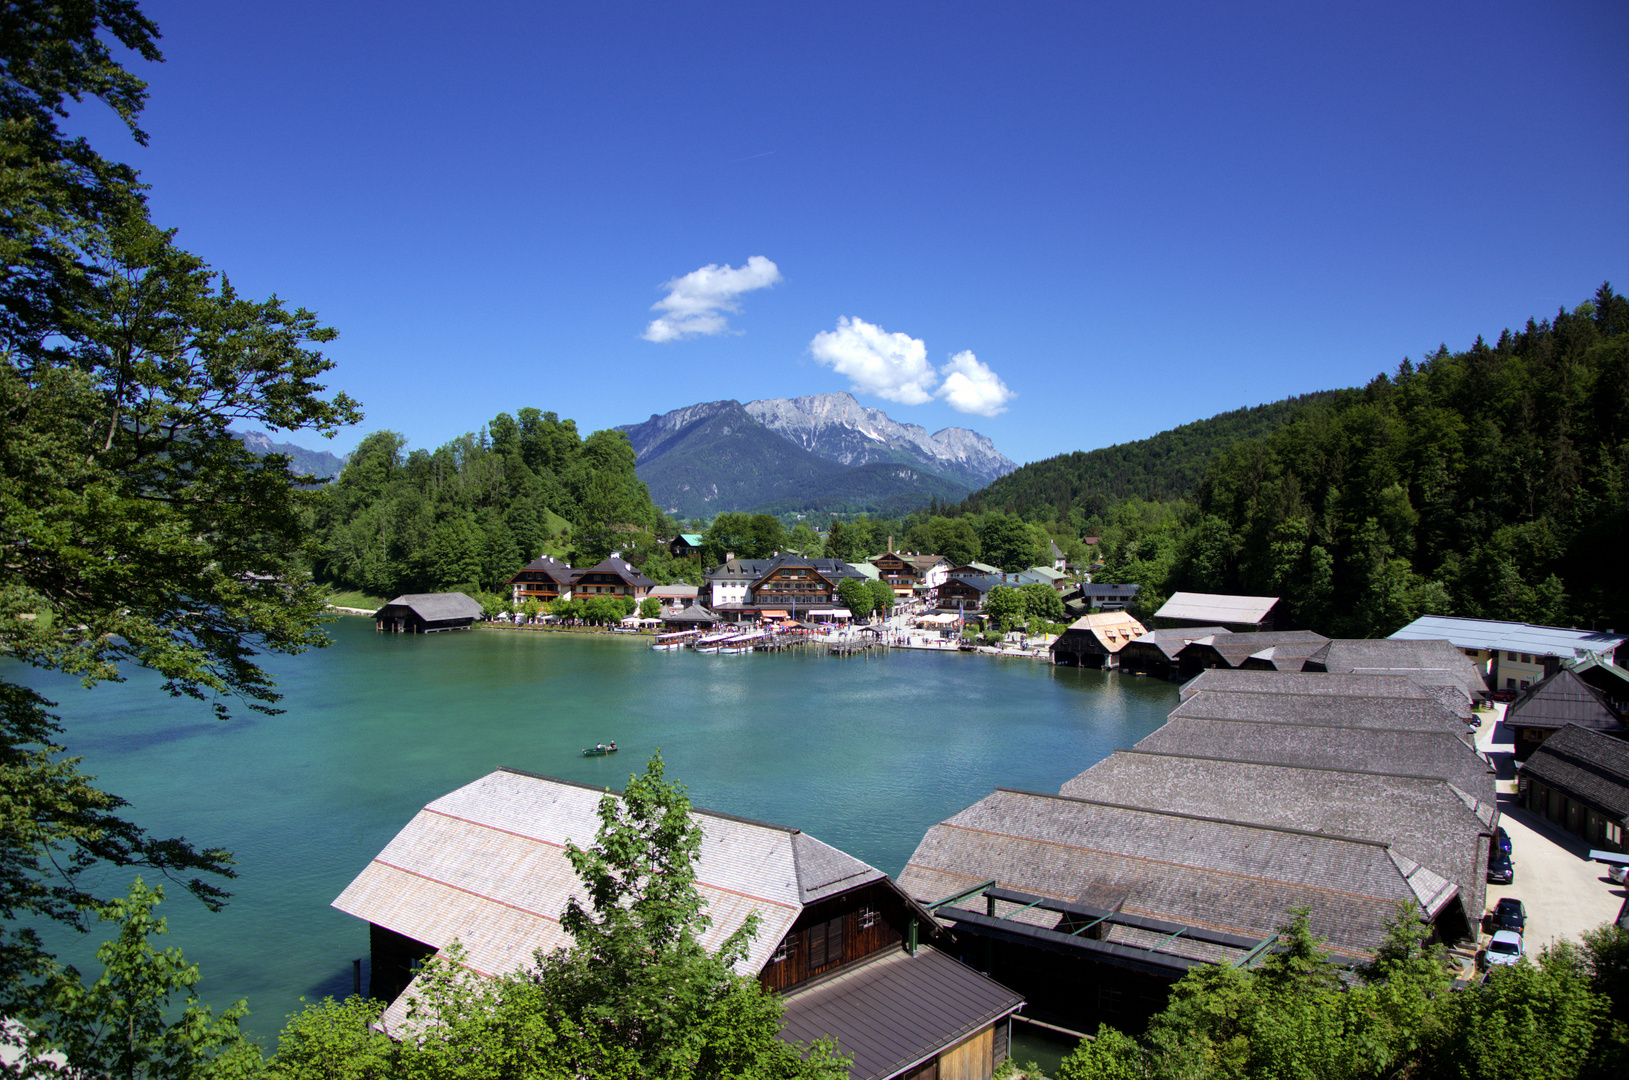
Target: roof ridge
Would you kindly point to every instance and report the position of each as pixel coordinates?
(1199, 817)
(1279, 765)
(694, 809)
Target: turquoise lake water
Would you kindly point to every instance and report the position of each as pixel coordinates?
(864, 753)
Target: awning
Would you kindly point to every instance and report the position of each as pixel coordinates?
(773, 615)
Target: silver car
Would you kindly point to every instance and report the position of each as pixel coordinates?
(1504, 949)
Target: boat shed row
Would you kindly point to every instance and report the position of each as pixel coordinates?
(1265, 791)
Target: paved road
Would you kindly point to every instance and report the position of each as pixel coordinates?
(1565, 894)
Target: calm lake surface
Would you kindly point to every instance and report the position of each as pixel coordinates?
(863, 753)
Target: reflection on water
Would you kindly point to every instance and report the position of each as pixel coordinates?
(864, 752)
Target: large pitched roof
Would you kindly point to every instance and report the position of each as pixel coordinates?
(1321, 710)
(547, 564)
(1216, 607)
(1286, 650)
(1323, 682)
(619, 566)
(896, 1010)
(436, 607)
(1424, 818)
(1584, 763)
(1111, 630)
(1418, 659)
(1563, 698)
(486, 864)
(1512, 636)
(1225, 875)
(1442, 755)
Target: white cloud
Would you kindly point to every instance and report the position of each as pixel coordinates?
(891, 366)
(695, 303)
(971, 387)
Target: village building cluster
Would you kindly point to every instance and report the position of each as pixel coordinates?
(1295, 772)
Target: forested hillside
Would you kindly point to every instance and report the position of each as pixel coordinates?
(1165, 466)
(1489, 482)
(474, 511)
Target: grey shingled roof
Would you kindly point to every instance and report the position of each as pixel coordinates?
(547, 564)
(1216, 607)
(1400, 657)
(486, 864)
(896, 1010)
(1563, 698)
(695, 613)
(1230, 876)
(436, 607)
(621, 567)
(1415, 753)
(1424, 818)
(1323, 682)
(1398, 714)
(1170, 641)
(1287, 650)
(1585, 764)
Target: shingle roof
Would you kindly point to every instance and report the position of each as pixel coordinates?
(1586, 764)
(436, 607)
(486, 864)
(1322, 682)
(621, 567)
(547, 564)
(1406, 657)
(1396, 714)
(975, 568)
(1287, 649)
(695, 613)
(1171, 641)
(1225, 875)
(1511, 636)
(1415, 753)
(1111, 631)
(983, 583)
(1563, 698)
(895, 1010)
(1424, 818)
(1216, 607)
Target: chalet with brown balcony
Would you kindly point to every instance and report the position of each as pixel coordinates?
(615, 576)
(543, 579)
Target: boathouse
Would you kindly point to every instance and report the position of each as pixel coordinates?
(1155, 653)
(1285, 650)
(1238, 613)
(427, 613)
(852, 955)
(1427, 662)
(1096, 641)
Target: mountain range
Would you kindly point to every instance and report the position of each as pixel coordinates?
(318, 463)
(821, 453)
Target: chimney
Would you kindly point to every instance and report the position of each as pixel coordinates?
(890, 543)
(729, 556)
(1552, 664)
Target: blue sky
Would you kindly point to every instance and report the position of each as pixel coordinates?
(1085, 223)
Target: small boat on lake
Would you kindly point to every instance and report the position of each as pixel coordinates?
(600, 750)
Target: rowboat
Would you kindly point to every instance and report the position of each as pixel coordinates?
(600, 751)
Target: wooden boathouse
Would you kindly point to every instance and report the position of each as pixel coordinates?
(427, 613)
(848, 951)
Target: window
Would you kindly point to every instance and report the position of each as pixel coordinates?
(1526, 659)
(869, 917)
(825, 943)
(783, 951)
(1510, 684)
(1511, 657)
(1614, 833)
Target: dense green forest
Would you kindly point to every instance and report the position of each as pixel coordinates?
(472, 513)
(1485, 483)
(1165, 466)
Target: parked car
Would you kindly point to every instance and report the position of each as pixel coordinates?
(1500, 869)
(1501, 840)
(1617, 873)
(1509, 914)
(1502, 695)
(1504, 949)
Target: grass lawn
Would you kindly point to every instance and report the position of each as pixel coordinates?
(356, 600)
